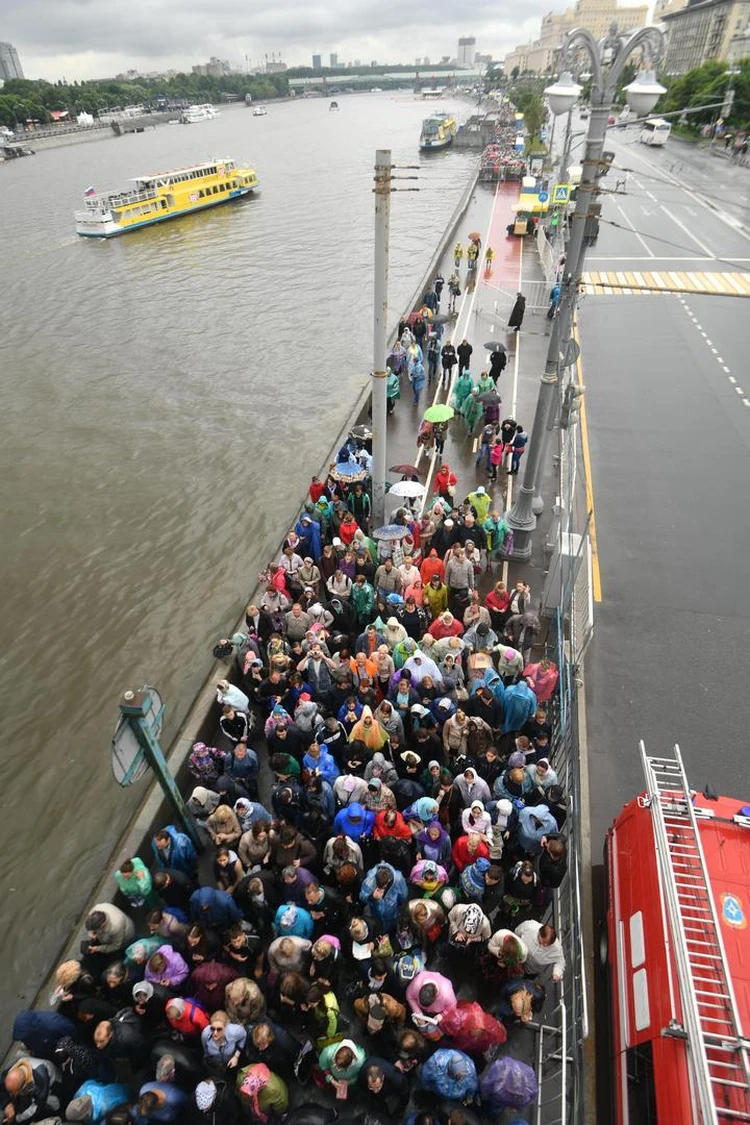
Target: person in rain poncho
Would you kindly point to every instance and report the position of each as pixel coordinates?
(485, 384)
(471, 410)
(534, 823)
(542, 679)
(421, 665)
(369, 731)
(394, 632)
(515, 320)
(519, 704)
(463, 388)
(383, 892)
(392, 391)
(417, 378)
(480, 502)
(450, 1074)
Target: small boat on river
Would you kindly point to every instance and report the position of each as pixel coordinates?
(260, 111)
(438, 131)
(161, 196)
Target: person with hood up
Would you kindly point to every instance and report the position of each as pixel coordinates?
(515, 320)
(509, 663)
(480, 502)
(450, 1074)
(212, 907)
(432, 565)
(519, 704)
(354, 821)
(379, 797)
(463, 387)
(428, 878)
(208, 982)
(422, 812)
(394, 633)
(472, 788)
(467, 925)
(420, 666)
(445, 626)
(383, 892)
(480, 638)
(535, 823)
(293, 921)
(368, 731)
(472, 880)
(39, 1031)
(471, 410)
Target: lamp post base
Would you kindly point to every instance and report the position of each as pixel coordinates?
(522, 522)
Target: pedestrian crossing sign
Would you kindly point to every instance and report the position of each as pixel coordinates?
(561, 194)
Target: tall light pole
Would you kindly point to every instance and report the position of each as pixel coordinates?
(643, 95)
(383, 187)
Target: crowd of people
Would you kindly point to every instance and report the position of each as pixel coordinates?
(382, 820)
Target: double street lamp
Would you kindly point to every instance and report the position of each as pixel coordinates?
(607, 58)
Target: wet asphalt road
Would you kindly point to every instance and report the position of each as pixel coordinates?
(668, 403)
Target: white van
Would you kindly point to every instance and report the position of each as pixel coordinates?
(655, 131)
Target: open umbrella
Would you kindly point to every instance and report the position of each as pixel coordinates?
(406, 470)
(490, 396)
(362, 432)
(347, 471)
(495, 346)
(475, 236)
(439, 413)
(390, 531)
(410, 488)
(439, 318)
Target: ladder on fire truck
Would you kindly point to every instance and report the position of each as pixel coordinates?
(718, 1049)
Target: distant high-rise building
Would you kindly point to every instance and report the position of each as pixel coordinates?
(466, 50)
(426, 61)
(357, 62)
(10, 64)
(317, 62)
(333, 60)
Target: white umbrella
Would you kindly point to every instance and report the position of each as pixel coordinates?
(410, 488)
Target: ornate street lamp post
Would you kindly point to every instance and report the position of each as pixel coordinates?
(643, 95)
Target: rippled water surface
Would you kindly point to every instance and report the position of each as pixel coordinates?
(165, 397)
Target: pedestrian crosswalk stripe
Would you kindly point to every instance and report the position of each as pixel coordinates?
(618, 283)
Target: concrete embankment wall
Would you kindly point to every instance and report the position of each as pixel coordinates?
(201, 721)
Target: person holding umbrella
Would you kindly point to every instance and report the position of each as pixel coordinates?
(498, 361)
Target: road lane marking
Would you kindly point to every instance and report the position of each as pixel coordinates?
(688, 232)
(645, 245)
(596, 577)
(513, 404)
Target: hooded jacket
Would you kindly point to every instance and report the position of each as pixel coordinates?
(450, 1074)
(175, 972)
(345, 825)
(181, 854)
(385, 909)
(212, 907)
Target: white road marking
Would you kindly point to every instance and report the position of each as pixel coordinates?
(746, 401)
(739, 390)
(647, 248)
(688, 232)
(731, 378)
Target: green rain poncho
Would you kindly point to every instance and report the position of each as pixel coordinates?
(464, 386)
(471, 411)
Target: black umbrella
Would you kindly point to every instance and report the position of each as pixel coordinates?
(490, 396)
(362, 432)
(439, 318)
(495, 346)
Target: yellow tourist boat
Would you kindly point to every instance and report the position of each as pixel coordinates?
(162, 196)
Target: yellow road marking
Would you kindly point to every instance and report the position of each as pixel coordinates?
(595, 572)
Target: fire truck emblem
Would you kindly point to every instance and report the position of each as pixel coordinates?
(732, 913)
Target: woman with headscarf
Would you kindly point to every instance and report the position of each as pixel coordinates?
(542, 679)
(394, 632)
(434, 843)
(369, 731)
(422, 811)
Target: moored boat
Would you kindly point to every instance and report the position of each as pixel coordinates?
(163, 195)
(438, 131)
(195, 113)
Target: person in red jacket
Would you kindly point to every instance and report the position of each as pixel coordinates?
(389, 822)
(317, 488)
(433, 564)
(446, 625)
(348, 529)
(444, 481)
(467, 849)
(186, 1016)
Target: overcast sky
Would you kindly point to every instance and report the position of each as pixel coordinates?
(78, 39)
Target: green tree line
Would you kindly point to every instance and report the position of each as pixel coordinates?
(707, 85)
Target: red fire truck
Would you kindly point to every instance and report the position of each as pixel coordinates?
(678, 953)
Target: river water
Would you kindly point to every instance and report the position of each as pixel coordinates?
(164, 396)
